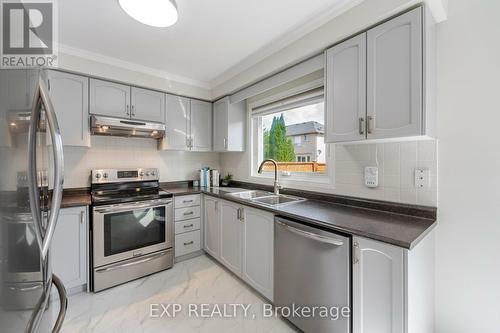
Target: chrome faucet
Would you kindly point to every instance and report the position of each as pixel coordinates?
(277, 186)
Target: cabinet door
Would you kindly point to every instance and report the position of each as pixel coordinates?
(69, 247)
(346, 90)
(211, 227)
(201, 125)
(258, 250)
(394, 74)
(69, 94)
(147, 105)
(378, 287)
(220, 124)
(109, 98)
(231, 232)
(177, 123)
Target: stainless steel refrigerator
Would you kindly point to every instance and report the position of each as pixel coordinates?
(32, 297)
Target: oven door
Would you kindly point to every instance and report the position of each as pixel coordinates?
(128, 230)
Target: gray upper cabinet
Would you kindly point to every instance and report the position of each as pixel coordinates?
(394, 77)
(69, 95)
(375, 81)
(177, 123)
(109, 98)
(229, 126)
(147, 105)
(346, 90)
(201, 125)
(188, 124)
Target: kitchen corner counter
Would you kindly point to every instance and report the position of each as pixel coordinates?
(76, 198)
(389, 227)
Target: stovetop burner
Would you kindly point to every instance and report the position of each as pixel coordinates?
(112, 186)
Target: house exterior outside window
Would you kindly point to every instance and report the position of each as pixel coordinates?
(310, 136)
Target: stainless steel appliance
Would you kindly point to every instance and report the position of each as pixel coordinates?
(132, 226)
(102, 125)
(31, 155)
(312, 268)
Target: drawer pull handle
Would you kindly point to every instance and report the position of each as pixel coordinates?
(187, 201)
(189, 225)
(189, 213)
(188, 243)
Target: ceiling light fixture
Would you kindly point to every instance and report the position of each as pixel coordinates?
(156, 13)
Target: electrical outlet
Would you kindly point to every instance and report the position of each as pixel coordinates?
(422, 178)
(371, 176)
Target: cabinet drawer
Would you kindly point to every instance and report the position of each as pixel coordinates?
(187, 225)
(187, 243)
(187, 213)
(187, 201)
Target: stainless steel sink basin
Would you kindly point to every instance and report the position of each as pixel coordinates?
(274, 200)
(265, 198)
(249, 195)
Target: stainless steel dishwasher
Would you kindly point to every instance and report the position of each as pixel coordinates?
(312, 269)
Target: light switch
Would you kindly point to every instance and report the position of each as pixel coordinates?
(422, 178)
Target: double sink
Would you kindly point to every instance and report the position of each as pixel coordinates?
(265, 198)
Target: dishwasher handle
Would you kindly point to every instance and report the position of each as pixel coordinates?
(310, 235)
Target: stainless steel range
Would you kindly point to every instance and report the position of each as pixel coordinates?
(132, 226)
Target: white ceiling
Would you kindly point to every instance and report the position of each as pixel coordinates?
(210, 38)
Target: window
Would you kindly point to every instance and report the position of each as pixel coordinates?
(287, 132)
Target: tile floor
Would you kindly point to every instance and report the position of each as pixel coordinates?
(126, 308)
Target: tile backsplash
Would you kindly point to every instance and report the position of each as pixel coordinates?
(117, 152)
(396, 166)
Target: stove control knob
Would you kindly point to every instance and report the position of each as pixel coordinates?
(98, 175)
(105, 175)
(147, 173)
(153, 173)
(141, 173)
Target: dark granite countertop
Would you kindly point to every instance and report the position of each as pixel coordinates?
(393, 228)
(75, 199)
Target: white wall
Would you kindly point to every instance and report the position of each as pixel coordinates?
(468, 246)
(116, 152)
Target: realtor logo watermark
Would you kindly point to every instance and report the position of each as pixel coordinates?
(29, 33)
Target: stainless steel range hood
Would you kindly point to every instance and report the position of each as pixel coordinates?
(101, 125)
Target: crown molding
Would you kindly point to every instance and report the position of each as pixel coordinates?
(112, 61)
(289, 37)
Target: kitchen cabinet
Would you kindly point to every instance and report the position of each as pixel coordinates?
(188, 125)
(375, 82)
(201, 125)
(187, 226)
(392, 287)
(123, 101)
(394, 77)
(258, 250)
(346, 90)
(229, 126)
(147, 105)
(231, 236)
(211, 227)
(69, 248)
(109, 98)
(69, 95)
(242, 239)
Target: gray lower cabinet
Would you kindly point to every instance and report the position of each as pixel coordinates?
(393, 288)
(242, 239)
(258, 250)
(69, 251)
(69, 94)
(187, 221)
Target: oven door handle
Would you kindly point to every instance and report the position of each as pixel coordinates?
(132, 263)
(126, 207)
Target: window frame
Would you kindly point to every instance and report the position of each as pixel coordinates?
(303, 179)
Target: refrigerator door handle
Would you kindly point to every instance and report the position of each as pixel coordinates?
(63, 299)
(42, 98)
